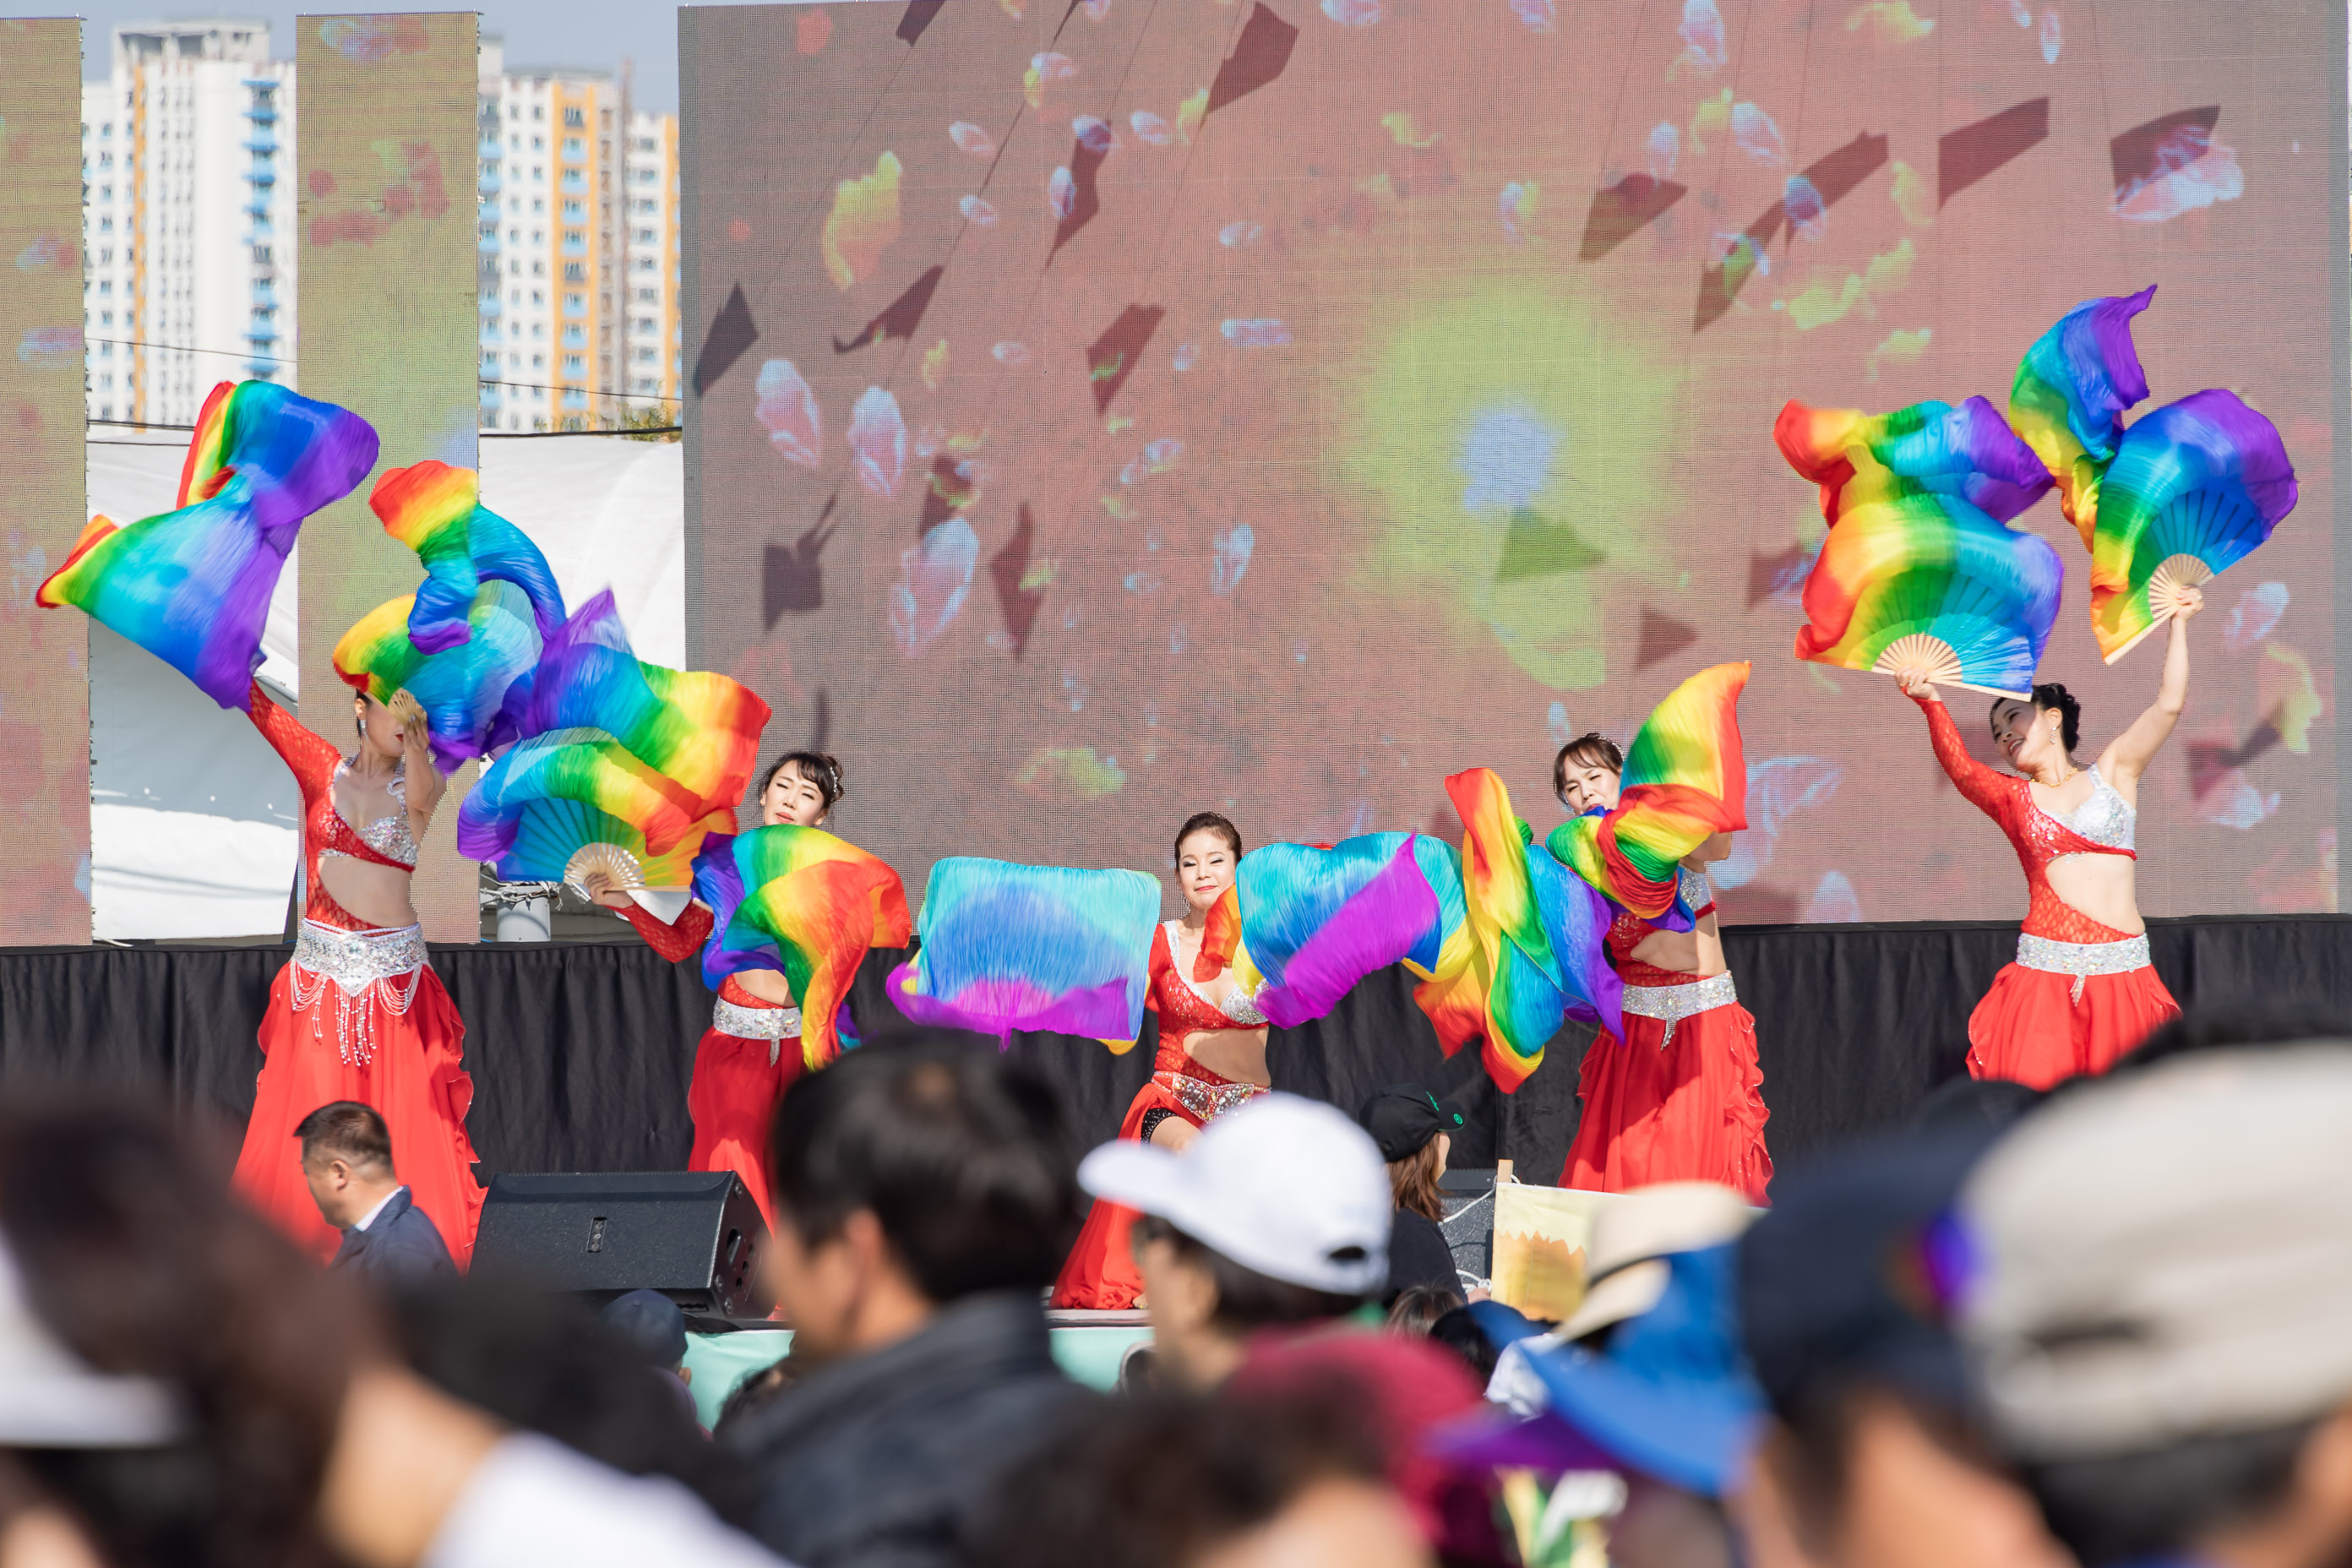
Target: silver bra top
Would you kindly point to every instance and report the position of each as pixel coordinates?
(2106, 817)
(387, 835)
(1241, 1006)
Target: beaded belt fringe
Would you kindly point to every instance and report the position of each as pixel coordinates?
(773, 1025)
(359, 964)
(1205, 1100)
(2081, 959)
(1671, 1003)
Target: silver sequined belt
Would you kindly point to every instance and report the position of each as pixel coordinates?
(1206, 1101)
(355, 959)
(1671, 1003)
(2083, 957)
(755, 1022)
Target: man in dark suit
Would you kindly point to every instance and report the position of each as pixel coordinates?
(347, 1161)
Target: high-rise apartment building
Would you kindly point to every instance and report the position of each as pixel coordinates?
(655, 267)
(188, 217)
(561, 295)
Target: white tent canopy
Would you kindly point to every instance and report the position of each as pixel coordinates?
(193, 820)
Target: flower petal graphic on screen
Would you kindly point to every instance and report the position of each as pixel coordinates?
(1229, 558)
(1061, 193)
(1517, 209)
(1808, 215)
(1832, 902)
(1236, 235)
(1539, 14)
(1897, 347)
(47, 250)
(2021, 13)
(1704, 49)
(2192, 171)
(1254, 332)
(1043, 69)
(1185, 357)
(371, 39)
(1912, 198)
(1894, 21)
(935, 366)
(2256, 615)
(2232, 801)
(1096, 10)
(1352, 12)
(1664, 149)
(969, 138)
(1189, 115)
(1010, 354)
(1094, 133)
(1070, 772)
(863, 224)
(789, 409)
(2290, 698)
(2054, 37)
(1151, 129)
(1753, 132)
(934, 580)
(977, 212)
(878, 442)
(50, 348)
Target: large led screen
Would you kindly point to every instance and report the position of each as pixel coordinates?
(1106, 410)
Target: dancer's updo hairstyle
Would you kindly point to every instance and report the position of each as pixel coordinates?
(1591, 750)
(2048, 698)
(1214, 823)
(818, 767)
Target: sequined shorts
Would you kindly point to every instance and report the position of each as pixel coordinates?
(1672, 1003)
(355, 959)
(773, 1025)
(1205, 1101)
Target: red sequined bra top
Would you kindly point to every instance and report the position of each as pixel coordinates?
(680, 942)
(317, 765)
(1184, 1012)
(2037, 838)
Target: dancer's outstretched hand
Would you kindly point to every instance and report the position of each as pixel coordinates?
(1917, 685)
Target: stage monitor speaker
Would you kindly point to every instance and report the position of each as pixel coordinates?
(693, 1235)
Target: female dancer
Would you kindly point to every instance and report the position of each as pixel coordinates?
(751, 1052)
(2082, 991)
(1680, 1099)
(1212, 1057)
(359, 1013)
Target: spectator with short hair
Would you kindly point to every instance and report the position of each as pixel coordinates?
(2152, 1277)
(347, 1161)
(924, 1198)
(1874, 1457)
(1415, 1129)
(1183, 1482)
(653, 1329)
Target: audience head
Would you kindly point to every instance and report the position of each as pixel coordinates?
(755, 1392)
(128, 1250)
(2242, 1022)
(1163, 1481)
(1480, 1332)
(346, 1160)
(2153, 1275)
(1873, 1459)
(650, 1325)
(914, 1171)
(1418, 1306)
(1278, 1214)
(1414, 1130)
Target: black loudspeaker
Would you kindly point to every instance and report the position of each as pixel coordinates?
(693, 1235)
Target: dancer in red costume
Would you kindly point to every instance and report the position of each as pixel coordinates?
(1681, 1097)
(359, 1013)
(2082, 991)
(751, 1052)
(1212, 1057)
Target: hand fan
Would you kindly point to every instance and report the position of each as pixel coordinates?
(2195, 487)
(193, 586)
(1316, 921)
(2070, 394)
(546, 798)
(436, 512)
(1008, 947)
(462, 689)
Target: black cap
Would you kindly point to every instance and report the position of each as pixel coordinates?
(650, 1324)
(1836, 1280)
(1403, 1118)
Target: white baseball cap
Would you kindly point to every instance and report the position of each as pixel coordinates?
(2165, 1254)
(1290, 1187)
(50, 1398)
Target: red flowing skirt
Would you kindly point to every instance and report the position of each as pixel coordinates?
(1101, 1272)
(413, 1075)
(734, 1100)
(1688, 1110)
(2030, 1027)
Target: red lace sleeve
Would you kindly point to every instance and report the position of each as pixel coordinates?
(1987, 790)
(1163, 962)
(313, 760)
(674, 943)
